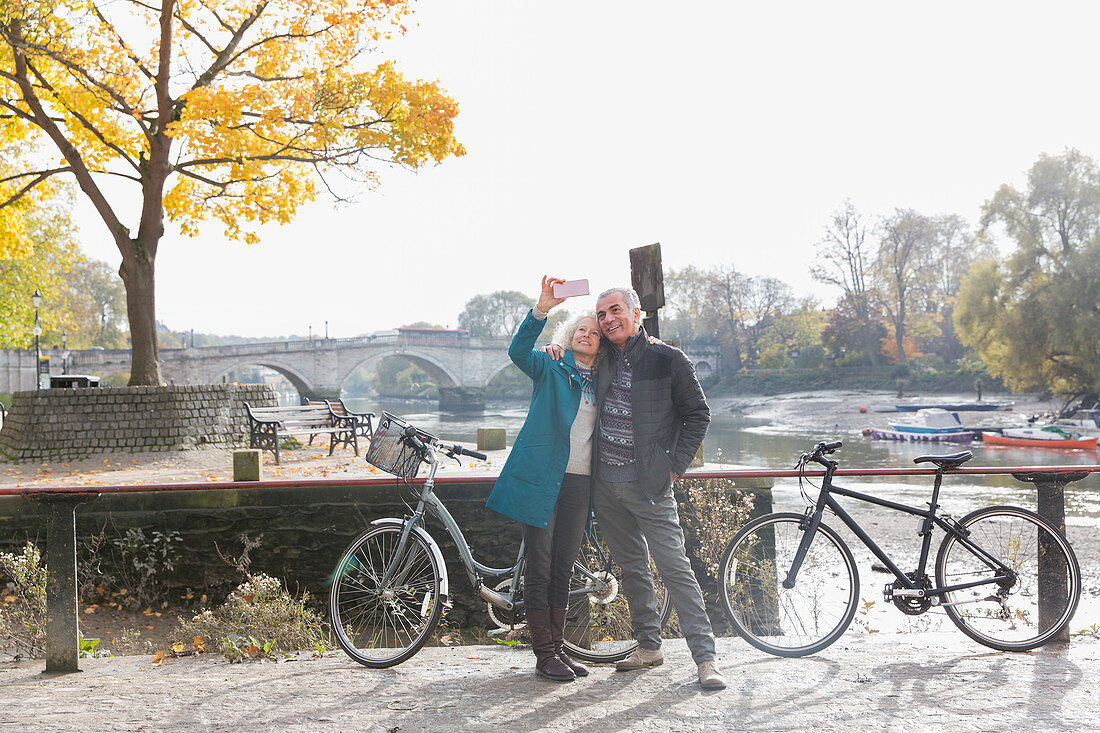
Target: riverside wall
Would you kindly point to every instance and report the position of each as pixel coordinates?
(66, 424)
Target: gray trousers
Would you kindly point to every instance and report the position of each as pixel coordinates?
(635, 528)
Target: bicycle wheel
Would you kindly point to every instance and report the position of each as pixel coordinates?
(788, 622)
(597, 622)
(1018, 614)
(382, 626)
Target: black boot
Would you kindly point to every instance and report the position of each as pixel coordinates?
(557, 635)
(547, 663)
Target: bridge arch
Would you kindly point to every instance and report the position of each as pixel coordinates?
(496, 369)
(292, 375)
(436, 369)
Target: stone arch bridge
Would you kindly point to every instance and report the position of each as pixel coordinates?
(462, 366)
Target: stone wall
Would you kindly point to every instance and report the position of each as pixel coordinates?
(63, 424)
(302, 533)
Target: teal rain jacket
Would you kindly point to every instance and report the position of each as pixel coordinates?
(528, 486)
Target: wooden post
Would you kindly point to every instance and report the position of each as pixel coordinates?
(648, 279)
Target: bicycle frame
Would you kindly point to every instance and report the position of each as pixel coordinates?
(430, 505)
(910, 586)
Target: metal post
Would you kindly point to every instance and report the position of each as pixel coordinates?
(62, 618)
(1050, 490)
(36, 301)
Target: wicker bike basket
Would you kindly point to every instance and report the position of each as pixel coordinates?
(389, 452)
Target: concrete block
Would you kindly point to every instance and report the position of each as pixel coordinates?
(246, 465)
(491, 439)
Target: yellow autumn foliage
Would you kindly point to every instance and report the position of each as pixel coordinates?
(257, 102)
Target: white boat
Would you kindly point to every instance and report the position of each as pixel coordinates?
(1043, 432)
(929, 420)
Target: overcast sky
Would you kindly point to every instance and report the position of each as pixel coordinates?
(726, 131)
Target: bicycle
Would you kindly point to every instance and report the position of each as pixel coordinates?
(1006, 577)
(391, 584)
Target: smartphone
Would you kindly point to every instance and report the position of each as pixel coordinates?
(570, 288)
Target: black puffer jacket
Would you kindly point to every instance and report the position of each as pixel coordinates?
(670, 412)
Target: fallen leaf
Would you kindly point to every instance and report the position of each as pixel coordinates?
(158, 658)
(472, 656)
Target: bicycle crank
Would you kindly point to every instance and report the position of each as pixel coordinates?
(505, 620)
(605, 595)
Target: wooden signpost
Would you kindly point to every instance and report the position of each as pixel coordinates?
(648, 279)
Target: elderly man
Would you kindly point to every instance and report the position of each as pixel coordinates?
(652, 417)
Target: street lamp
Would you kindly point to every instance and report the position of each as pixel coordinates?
(36, 301)
(64, 352)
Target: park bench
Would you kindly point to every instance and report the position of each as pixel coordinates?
(363, 428)
(267, 424)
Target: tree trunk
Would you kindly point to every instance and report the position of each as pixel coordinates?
(870, 345)
(137, 273)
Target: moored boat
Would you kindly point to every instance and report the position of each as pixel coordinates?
(961, 436)
(949, 406)
(1038, 442)
(929, 420)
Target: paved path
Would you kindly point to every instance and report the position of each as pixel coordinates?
(885, 681)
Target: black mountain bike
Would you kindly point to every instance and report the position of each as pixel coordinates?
(1004, 575)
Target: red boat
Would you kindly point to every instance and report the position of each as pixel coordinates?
(1080, 443)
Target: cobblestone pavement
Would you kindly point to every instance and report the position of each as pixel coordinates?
(877, 682)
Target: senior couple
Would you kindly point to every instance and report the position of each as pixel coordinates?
(615, 421)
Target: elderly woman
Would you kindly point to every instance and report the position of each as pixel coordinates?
(545, 483)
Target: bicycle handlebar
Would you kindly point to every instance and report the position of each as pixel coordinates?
(820, 450)
(421, 440)
(457, 449)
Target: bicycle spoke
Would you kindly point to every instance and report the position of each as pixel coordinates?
(383, 625)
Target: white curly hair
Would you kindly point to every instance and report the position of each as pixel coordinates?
(563, 334)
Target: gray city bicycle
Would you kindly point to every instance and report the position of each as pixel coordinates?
(1005, 576)
(390, 586)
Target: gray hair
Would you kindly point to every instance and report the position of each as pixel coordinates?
(563, 334)
(629, 295)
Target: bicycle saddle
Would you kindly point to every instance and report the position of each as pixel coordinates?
(950, 460)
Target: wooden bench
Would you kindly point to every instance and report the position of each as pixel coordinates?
(363, 427)
(267, 424)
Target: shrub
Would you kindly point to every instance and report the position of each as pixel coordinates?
(23, 602)
(258, 620)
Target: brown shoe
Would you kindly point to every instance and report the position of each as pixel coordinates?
(557, 635)
(547, 663)
(710, 678)
(640, 659)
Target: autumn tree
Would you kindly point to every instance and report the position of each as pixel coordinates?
(190, 110)
(497, 314)
(40, 258)
(727, 291)
(689, 312)
(843, 257)
(905, 239)
(1035, 319)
